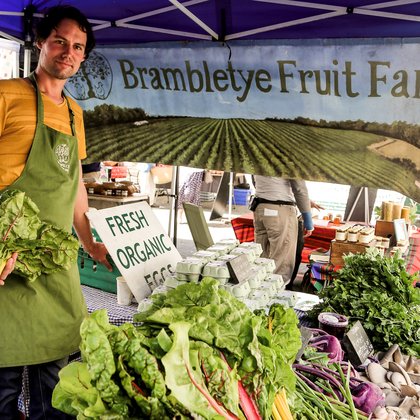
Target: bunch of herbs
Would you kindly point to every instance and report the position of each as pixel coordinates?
(379, 292)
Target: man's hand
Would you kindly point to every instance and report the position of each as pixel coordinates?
(99, 252)
(316, 206)
(307, 232)
(8, 268)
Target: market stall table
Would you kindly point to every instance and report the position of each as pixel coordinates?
(321, 236)
(104, 201)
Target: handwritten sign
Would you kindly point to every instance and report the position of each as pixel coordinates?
(357, 344)
(239, 268)
(138, 245)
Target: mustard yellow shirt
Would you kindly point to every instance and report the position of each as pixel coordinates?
(18, 122)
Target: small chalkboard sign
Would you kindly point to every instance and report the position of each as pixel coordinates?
(239, 268)
(305, 336)
(357, 344)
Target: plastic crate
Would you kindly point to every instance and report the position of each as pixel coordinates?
(241, 197)
(94, 274)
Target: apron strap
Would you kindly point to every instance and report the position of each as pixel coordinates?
(40, 105)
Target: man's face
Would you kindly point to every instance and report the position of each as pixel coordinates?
(63, 51)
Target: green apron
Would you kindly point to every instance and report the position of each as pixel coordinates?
(40, 320)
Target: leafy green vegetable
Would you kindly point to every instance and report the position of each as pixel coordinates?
(221, 321)
(379, 292)
(182, 379)
(42, 247)
(198, 352)
(75, 392)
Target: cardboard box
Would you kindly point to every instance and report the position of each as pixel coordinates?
(340, 248)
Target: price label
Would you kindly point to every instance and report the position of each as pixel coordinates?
(357, 344)
(239, 268)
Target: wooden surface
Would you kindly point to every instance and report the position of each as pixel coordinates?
(339, 248)
(104, 201)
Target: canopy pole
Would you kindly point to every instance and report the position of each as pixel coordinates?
(28, 16)
(230, 195)
(174, 206)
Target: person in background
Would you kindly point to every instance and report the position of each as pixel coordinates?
(276, 221)
(191, 180)
(42, 141)
(301, 243)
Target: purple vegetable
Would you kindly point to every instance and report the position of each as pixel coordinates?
(367, 396)
(319, 372)
(328, 344)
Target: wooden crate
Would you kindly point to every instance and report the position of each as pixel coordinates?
(384, 228)
(339, 248)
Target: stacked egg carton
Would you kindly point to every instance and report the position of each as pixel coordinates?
(260, 289)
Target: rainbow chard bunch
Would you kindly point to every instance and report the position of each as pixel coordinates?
(198, 352)
(42, 247)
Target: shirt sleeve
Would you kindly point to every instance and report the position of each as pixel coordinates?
(300, 192)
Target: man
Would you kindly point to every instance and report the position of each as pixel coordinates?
(42, 141)
(275, 219)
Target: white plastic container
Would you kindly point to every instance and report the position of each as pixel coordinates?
(124, 294)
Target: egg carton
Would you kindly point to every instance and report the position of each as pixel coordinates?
(172, 281)
(226, 257)
(189, 269)
(231, 243)
(192, 278)
(219, 249)
(251, 304)
(254, 246)
(286, 298)
(249, 252)
(270, 288)
(241, 290)
(144, 305)
(217, 270)
(268, 263)
(261, 296)
(257, 276)
(205, 255)
(160, 289)
(277, 280)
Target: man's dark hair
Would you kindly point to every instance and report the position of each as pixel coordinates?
(55, 15)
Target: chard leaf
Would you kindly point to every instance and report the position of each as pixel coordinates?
(183, 378)
(75, 394)
(42, 248)
(97, 353)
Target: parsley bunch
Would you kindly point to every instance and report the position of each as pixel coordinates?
(379, 292)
